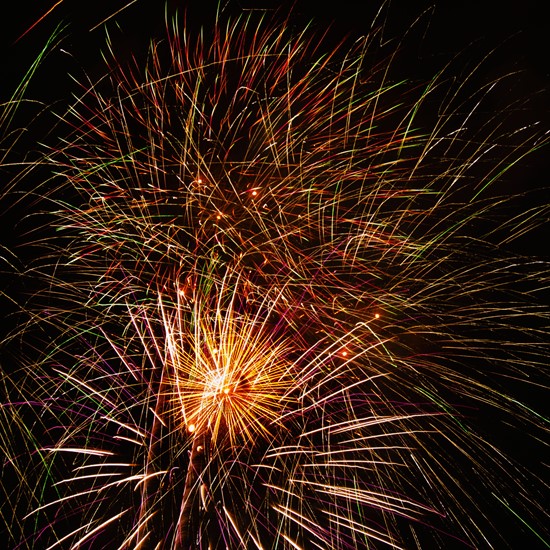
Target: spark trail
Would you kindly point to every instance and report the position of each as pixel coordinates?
(276, 305)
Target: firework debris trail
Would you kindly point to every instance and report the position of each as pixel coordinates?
(273, 306)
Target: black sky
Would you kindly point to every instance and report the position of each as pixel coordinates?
(432, 33)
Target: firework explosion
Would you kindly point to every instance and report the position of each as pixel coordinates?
(265, 320)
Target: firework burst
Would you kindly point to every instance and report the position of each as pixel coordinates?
(269, 323)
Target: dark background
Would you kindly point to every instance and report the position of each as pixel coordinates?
(431, 33)
(518, 31)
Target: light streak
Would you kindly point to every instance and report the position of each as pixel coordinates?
(271, 316)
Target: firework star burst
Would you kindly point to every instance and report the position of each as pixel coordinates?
(275, 305)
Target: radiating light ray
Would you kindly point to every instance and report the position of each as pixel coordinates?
(277, 305)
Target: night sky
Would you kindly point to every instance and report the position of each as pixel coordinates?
(507, 38)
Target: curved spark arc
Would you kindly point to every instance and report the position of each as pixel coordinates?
(270, 308)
